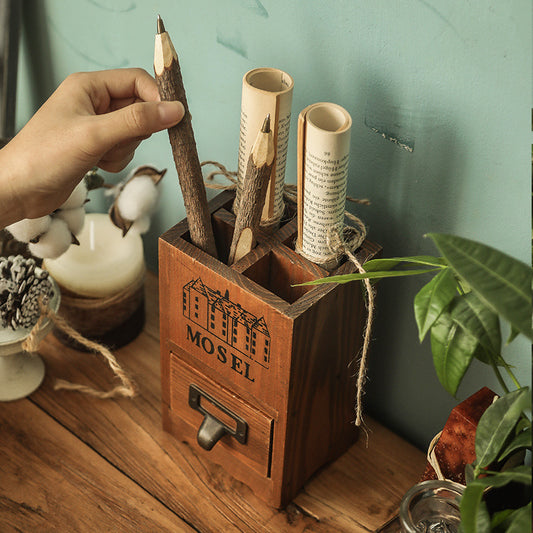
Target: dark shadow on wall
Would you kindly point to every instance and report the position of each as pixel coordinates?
(408, 162)
(36, 42)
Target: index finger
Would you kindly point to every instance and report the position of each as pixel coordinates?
(126, 83)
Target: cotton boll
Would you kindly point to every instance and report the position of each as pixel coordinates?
(141, 225)
(138, 198)
(29, 228)
(77, 196)
(113, 191)
(73, 217)
(54, 242)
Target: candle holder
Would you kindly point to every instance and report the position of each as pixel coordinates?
(113, 321)
(102, 284)
(21, 373)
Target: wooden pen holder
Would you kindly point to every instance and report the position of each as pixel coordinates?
(255, 371)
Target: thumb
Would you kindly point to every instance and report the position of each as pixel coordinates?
(139, 120)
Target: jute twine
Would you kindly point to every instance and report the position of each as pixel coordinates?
(289, 190)
(350, 239)
(432, 456)
(268, 225)
(31, 345)
(222, 171)
(341, 244)
(96, 316)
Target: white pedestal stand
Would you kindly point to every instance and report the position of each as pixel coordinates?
(21, 373)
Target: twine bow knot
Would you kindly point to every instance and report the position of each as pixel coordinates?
(32, 342)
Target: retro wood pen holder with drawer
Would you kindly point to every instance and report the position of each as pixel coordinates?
(256, 372)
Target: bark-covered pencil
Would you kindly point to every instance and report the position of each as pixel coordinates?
(253, 193)
(170, 84)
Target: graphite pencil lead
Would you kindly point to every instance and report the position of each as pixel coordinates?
(266, 124)
(160, 25)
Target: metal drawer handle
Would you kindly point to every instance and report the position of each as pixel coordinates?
(212, 429)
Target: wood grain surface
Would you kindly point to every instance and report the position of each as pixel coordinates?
(74, 463)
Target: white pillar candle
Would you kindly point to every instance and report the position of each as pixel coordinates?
(104, 264)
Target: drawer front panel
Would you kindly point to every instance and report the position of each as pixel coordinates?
(256, 451)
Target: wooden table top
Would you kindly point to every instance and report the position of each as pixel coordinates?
(69, 462)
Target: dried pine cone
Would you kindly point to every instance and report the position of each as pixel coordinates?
(21, 287)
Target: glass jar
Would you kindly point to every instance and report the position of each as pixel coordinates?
(431, 506)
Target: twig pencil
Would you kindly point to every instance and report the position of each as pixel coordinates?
(253, 193)
(170, 84)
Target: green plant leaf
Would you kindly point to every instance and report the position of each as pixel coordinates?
(453, 350)
(496, 424)
(486, 356)
(501, 281)
(474, 515)
(523, 424)
(520, 442)
(390, 262)
(512, 520)
(518, 474)
(346, 278)
(469, 473)
(498, 519)
(512, 335)
(475, 318)
(432, 299)
(520, 520)
(378, 265)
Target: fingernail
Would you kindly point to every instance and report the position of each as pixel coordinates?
(171, 113)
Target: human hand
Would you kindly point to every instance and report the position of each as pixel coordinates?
(92, 119)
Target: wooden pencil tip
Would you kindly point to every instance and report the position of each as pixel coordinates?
(266, 124)
(160, 25)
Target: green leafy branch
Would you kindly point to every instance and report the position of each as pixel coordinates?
(473, 286)
(503, 431)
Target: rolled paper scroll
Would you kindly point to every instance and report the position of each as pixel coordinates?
(323, 157)
(266, 91)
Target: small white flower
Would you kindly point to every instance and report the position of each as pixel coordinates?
(74, 218)
(142, 225)
(138, 198)
(29, 228)
(54, 242)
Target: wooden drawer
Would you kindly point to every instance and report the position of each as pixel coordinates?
(255, 451)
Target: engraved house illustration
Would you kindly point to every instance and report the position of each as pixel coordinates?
(227, 320)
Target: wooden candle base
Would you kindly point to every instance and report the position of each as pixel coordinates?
(254, 369)
(113, 321)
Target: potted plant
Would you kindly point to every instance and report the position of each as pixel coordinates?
(472, 288)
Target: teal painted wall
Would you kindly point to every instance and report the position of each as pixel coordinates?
(452, 79)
